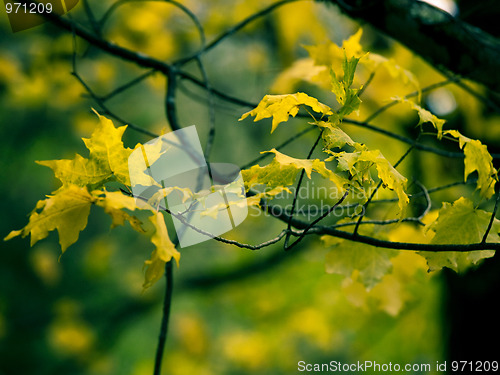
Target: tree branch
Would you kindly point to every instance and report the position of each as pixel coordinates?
(442, 40)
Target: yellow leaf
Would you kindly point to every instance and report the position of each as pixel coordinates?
(114, 204)
(67, 211)
(138, 162)
(283, 170)
(106, 146)
(281, 107)
(301, 70)
(358, 164)
(477, 159)
(78, 171)
(459, 222)
(425, 116)
(107, 160)
(165, 250)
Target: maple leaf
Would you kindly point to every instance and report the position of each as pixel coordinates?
(67, 211)
(460, 222)
(358, 164)
(140, 162)
(425, 116)
(107, 159)
(333, 136)
(106, 147)
(165, 250)
(281, 107)
(78, 171)
(283, 170)
(477, 159)
(347, 257)
(114, 204)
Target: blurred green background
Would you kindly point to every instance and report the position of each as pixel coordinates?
(234, 311)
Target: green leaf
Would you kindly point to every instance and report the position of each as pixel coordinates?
(67, 211)
(460, 223)
(281, 107)
(477, 159)
(349, 67)
(347, 257)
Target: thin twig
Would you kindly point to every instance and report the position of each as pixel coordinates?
(279, 147)
(236, 28)
(376, 189)
(167, 304)
(126, 86)
(431, 87)
(295, 197)
(492, 218)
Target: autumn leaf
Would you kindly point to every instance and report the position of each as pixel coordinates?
(114, 204)
(460, 223)
(346, 257)
(477, 159)
(333, 136)
(78, 171)
(165, 250)
(67, 211)
(106, 147)
(358, 164)
(425, 116)
(281, 107)
(107, 159)
(283, 170)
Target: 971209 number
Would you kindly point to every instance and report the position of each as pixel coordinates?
(474, 366)
(33, 8)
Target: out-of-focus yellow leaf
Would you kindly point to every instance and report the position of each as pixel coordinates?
(460, 222)
(346, 257)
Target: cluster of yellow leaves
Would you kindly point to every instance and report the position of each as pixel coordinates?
(459, 222)
(359, 162)
(83, 185)
(282, 171)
